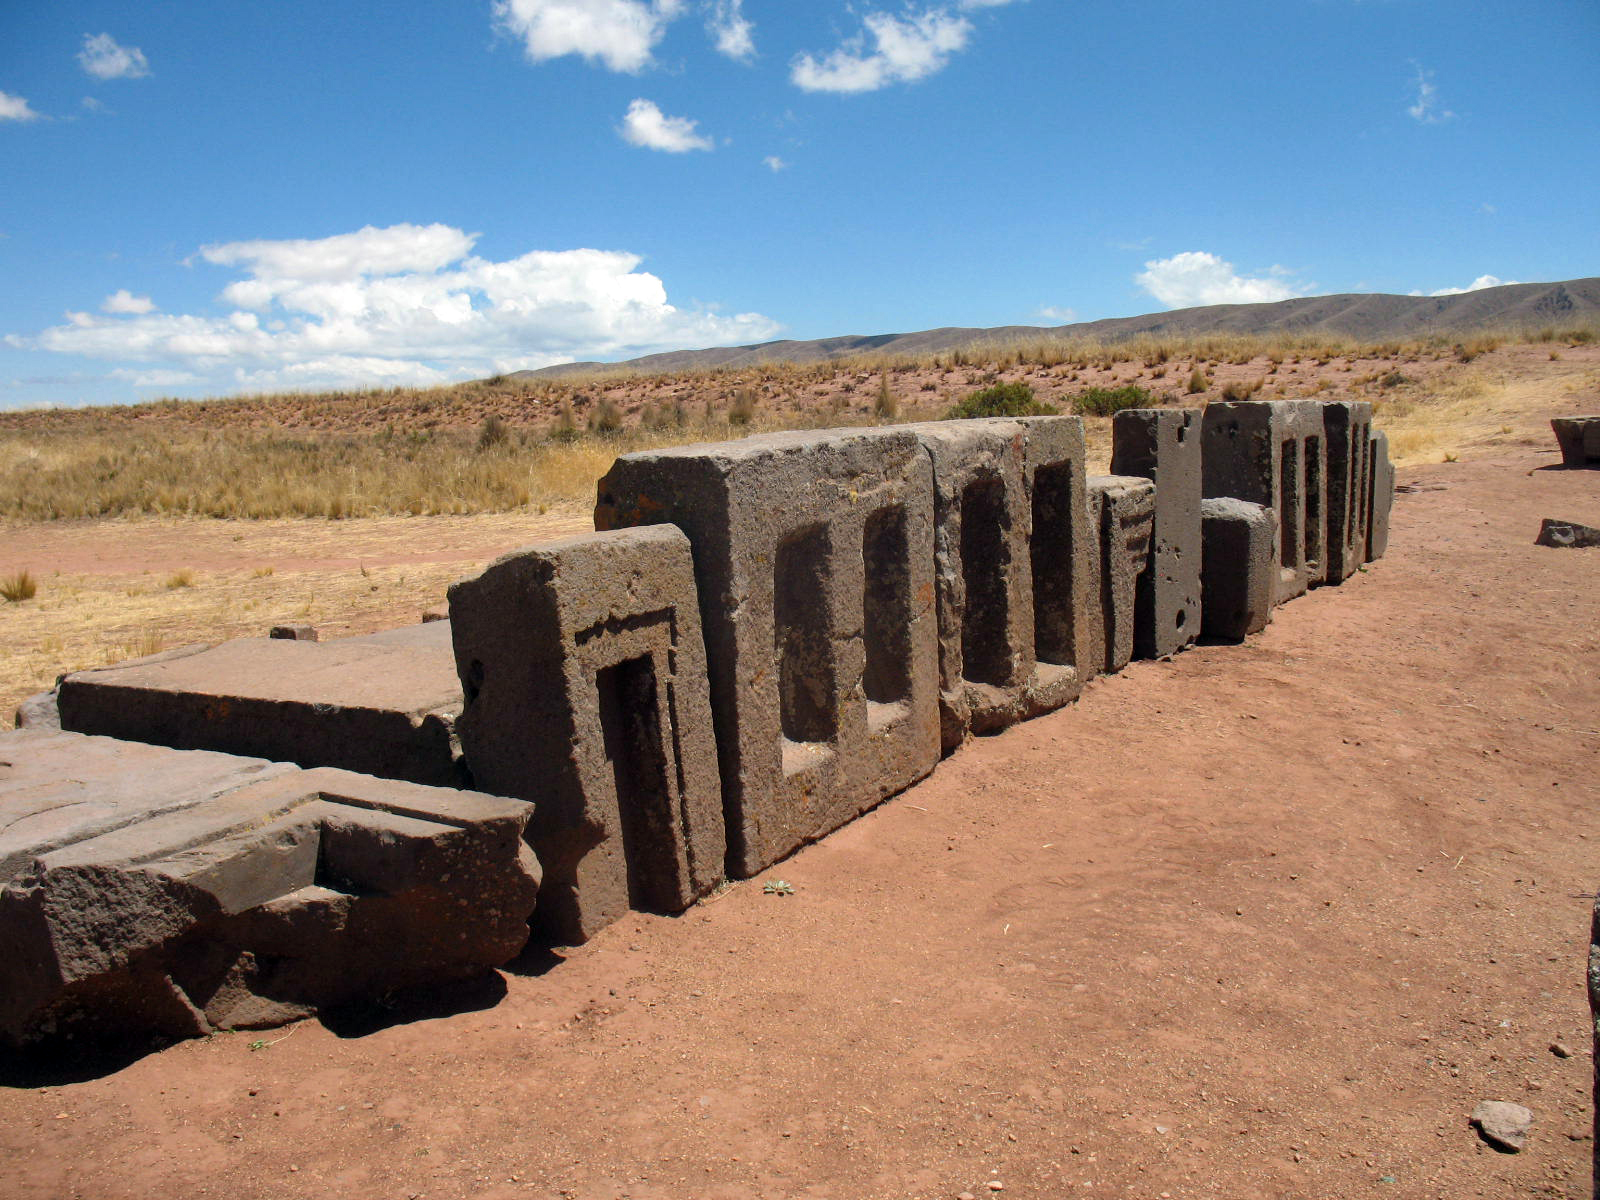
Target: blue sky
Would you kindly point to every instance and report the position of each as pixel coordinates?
(203, 199)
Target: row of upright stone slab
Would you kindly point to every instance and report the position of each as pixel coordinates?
(763, 639)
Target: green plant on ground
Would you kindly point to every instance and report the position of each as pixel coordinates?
(1001, 400)
(1103, 402)
(18, 587)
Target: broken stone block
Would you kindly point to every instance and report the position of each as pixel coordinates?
(1124, 510)
(585, 682)
(39, 711)
(1163, 445)
(1381, 480)
(813, 556)
(384, 704)
(154, 892)
(1567, 535)
(294, 633)
(1239, 568)
(1273, 452)
(1579, 439)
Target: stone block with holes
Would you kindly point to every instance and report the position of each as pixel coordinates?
(1123, 509)
(1163, 445)
(814, 561)
(383, 704)
(146, 891)
(583, 670)
(1273, 453)
(1347, 426)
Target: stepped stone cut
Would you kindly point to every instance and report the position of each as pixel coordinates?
(1124, 510)
(1579, 439)
(1347, 426)
(1163, 445)
(1240, 567)
(154, 892)
(813, 557)
(385, 704)
(585, 682)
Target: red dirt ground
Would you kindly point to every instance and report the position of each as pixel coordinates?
(1261, 921)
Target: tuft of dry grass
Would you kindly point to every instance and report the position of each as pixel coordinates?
(18, 587)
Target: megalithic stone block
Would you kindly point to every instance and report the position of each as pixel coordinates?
(1124, 509)
(1240, 567)
(584, 675)
(1347, 426)
(1273, 452)
(384, 704)
(1579, 439)
(147, 891)
(1163, 445)
(813, 556)
(1381, 499)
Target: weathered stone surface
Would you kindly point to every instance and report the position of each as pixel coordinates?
(814, 561)
(1240, 567)
(384, 704)
(585, 682)
(1503, 1125)
(1593, 977)
(294, 633)
(153, 891)
(1567, 535)
(1273, 452)
(1381, 501)
(1163, 445)
(39, 711)
(1124, 510)
(1579, 439)
(1347, 429)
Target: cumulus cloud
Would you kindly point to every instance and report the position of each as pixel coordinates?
(646, 125)
(1426, 109)
(403, 304)
(124, 302)
(731, 31)
(104, 59)
(621, 34)
(1052, 312)
(1195, 278)
(773, 163)
(903, 51)
(15, 108)
(1477, 285)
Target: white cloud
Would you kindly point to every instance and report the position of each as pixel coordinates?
(404, 304)
(646, 125)
(104, 59)
(904, 50)
(157, 379)
(1477, 285)
(1196, 278)
(15, 108)
(1426, 109)
(731, 31)
(773, 163)
(619, 33)
(124, 302)
(1051, 312)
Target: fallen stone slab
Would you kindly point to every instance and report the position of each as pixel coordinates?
(585, 681)
(1163, 445)
(1579, 439)
(154, 892)
(1567, 535)
(1502, 1124)
(1239, 567)
(1124, 510)
(384, 704)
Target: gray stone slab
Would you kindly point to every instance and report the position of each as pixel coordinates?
(1567, 535)
(1381, 500)
(1347, 428)
(1579, 439)
(153, 891)
(1240, 567)
(814, 560)
(1273, 452)
(585, 680)
(384, 704)
(1124, 509)
(1163, 445)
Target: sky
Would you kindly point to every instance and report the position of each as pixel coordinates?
(228, 197)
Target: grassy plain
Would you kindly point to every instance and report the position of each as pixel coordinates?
(149, 526)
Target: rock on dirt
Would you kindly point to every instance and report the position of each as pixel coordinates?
(1502, 1124)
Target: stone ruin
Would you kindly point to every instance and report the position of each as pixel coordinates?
(764, 639)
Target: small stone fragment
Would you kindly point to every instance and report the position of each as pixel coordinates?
(996, 1186)
(1560, 1050)
(1502, 1124)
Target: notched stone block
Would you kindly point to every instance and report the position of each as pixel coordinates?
(1347, 428)
(584, 673)
(1124, 510)
(1579, 439)
(1163, 445)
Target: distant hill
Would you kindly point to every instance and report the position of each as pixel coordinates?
(1368, 318)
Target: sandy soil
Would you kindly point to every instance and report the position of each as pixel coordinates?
(1261, 921)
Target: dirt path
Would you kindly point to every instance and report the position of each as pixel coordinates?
(1262, 921)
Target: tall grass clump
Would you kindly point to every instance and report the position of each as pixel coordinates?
(18, 587)
(1001, 400)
